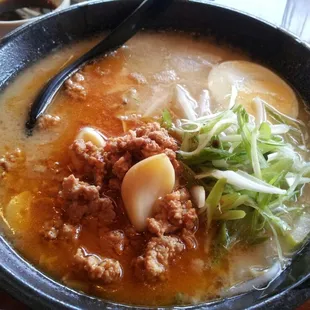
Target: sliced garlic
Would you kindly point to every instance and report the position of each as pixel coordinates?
(143, 184)
(89, 134)
(251, 80)
(198, 195)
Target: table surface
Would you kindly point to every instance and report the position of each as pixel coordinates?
(293, 15)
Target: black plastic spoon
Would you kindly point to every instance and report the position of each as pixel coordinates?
(121, 34)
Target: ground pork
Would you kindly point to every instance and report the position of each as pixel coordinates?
(75, 87)
(159, 253)
(11, 160)
(87, 160)
(174, 212)
(122, 165)
(47, 121)
(70, 232)
(98, 171)
(141, 143)
(104, 166)
(73, 189)
(51, 228)
(102, 209)
(114, 239)
(152, 134)
(105, 269)
(57, 229)
(83, 199)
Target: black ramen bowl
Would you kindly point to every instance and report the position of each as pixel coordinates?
(271, 46)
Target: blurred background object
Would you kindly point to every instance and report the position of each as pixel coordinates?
(292, 15)
(296, 18)
(9, 20)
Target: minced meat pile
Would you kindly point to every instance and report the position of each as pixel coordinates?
(92, 192)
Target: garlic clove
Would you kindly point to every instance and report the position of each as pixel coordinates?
(143, 184)
(89, 134)
(198, 194)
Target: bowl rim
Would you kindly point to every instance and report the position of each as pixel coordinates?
(42, 298)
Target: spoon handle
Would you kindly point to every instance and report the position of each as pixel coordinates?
(121, 34)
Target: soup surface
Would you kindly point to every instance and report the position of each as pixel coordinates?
(61, 196)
